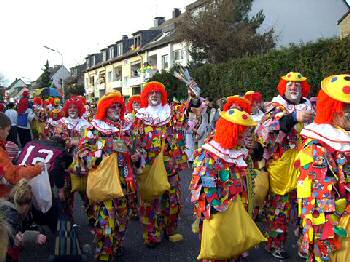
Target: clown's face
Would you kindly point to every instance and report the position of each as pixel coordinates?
(155, 98)
(114, 111)
(136, 106)
(293, 91)
(343, 120)
(73, 111)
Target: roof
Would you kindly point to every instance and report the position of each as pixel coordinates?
(344, 16)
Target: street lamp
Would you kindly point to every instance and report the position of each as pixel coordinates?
(55, 50)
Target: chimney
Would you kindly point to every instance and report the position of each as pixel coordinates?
(158, 21)
(176, 12)
(124, 37)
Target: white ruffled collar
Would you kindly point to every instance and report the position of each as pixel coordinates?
(336, 138)
(235, 156)
(155, 115)
(75, 123)
(107, 128)
(290, 107)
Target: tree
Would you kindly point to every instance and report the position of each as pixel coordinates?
(224, 30)
(45, 79)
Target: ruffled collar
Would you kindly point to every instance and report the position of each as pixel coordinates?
(155, 115)
(235, 156)
(336, 138)
(305, 104)
(107, 127)
(75, 123)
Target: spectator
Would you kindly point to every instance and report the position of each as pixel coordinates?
(16, 212)
(12, 114)
(24, 117)
(11, 173)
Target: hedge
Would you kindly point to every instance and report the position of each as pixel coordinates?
(314, 60)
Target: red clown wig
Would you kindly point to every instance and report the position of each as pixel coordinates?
(107, 101)
(327, 108)
(241, 102)
(133, 99)
(23, 105)
(150, 87)
(38, 101)
(254, 97)
(227, 133)
(305, 87)
(74, 101)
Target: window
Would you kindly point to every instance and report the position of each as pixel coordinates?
(135, 69)
(118, 73)
(109, 76)
(104, 56)
(102, 77)
(137, 42)
(165, 62)
(92, 80)
(111, 52)
(119, 49)
(102, 93)
(178, 55)
(136, 90)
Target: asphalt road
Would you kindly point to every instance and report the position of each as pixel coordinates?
(135, 251)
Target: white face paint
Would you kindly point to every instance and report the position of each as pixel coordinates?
(136, 106)
(293, 91)
(113, 112)
(155, 98)
(73, 111)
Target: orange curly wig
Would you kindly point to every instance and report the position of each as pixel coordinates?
(326, 108)
(305, 87)
(74, 101)
(132, 100)
(241, 102)
(150, 87)
(227, 133)
(256, 97)
(107, 102)
(38, 101)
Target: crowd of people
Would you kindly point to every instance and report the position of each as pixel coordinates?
(252, 160)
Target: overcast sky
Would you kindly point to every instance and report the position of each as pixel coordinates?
(74, 27)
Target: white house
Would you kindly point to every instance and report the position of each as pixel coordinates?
(16, 87)
(58, 74)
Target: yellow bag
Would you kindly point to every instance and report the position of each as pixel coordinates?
(261, 187)
(229, 234)
(343, 254)
(153, 182)
(283, 174)
(78, 183)
(103, 182)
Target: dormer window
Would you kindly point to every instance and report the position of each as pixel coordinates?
(104, 56)
(137, 41)
(111, 52)
(119, 49)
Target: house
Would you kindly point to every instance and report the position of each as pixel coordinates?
(344, 25)
(76, 79)
(16, 88)
(294, 21)
(128, 63)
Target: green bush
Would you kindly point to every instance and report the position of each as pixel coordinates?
(262, 73)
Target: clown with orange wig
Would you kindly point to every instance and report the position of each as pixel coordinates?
(39, 123)
(219, 180)
(154, 125)
(132, 107)
(108, 134)
(279, 132)
(256, 100)
(324, 182)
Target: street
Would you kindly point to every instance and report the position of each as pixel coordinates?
(135, 251)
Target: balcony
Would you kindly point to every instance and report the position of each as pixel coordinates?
(117, 84)
(133, 81)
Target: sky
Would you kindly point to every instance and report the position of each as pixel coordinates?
(76, 28)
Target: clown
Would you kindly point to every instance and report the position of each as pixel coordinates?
(109, 134)
(323, 184)
(38, 124)
(155, 123)
(279, 133)
(132, 107)
(256, 100)
(52, 122)
(220, 170)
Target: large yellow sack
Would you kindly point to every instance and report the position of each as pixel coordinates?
(283, 173)
(153, 182)
(343, 255)
(103, 183)
(261, 187)
(229, 234)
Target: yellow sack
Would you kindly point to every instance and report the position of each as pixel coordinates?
(103, 182)
(261, 187)
(343, 254)
(153, 182)
(283, 174)
(229, 234)
(78, 183)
